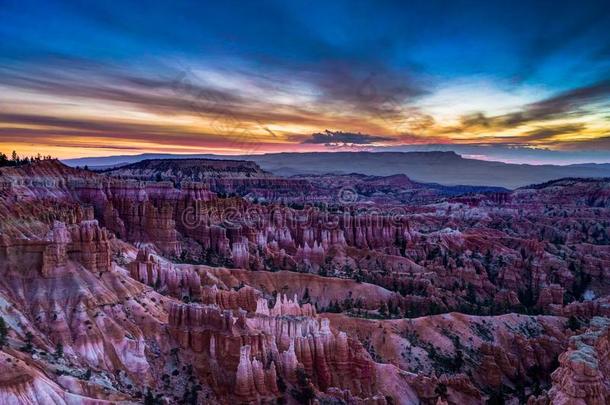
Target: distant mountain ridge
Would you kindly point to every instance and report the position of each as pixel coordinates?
(246, 178)
(445, 168)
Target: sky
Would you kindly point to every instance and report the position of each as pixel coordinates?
(502, 80)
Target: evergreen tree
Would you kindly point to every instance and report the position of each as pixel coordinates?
(29, 347)
(306, 297)
(3, 332)
(573, 323)
(59, 351)
(383, 310)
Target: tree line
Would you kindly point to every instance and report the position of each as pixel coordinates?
(16, 160)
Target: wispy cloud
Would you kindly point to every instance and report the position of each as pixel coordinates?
(210, 75)
(569, 116)
(548, 133)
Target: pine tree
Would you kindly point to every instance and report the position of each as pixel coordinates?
(3, 332)
(306, 297)
(29, 347)
(59, 351)
(149, 399)
(383, 310)
(573, 323)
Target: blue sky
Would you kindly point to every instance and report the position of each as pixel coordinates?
(240, 77)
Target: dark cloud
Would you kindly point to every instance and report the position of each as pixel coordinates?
(182, 93)
(373, 90)
(86, 125)
(55, 130)
(338, 138)
(600, 145)
(545, 133)
(478, 119)
(570, 103)
(172, 95)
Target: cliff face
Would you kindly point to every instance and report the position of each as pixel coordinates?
(287, 342)
(464, 357)
(583, 375)
(220, 176)
(63, 291)
(107, 293)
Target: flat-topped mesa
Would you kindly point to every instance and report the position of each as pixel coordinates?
(214, 173)
(583, 376)
(86, 243)
(195, 168)
(218, 176)
(48, 181)
(199, 317)
(135, 211)
(198, 327)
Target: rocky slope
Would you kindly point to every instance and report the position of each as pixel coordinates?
(125, 290)
(237, 177)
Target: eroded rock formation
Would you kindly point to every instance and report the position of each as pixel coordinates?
(583, 376)
(107, 293)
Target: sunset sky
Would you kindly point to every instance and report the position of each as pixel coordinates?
(105, 78)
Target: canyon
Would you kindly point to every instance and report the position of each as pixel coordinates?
(212, 281)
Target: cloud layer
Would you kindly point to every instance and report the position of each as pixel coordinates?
(277, 76)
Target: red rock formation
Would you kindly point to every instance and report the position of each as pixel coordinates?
(22, 383)
(89, 245)
(495, 351)
(218, 176)
(165, 277)
(69, 275)
(251, 348)
(583, 376)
